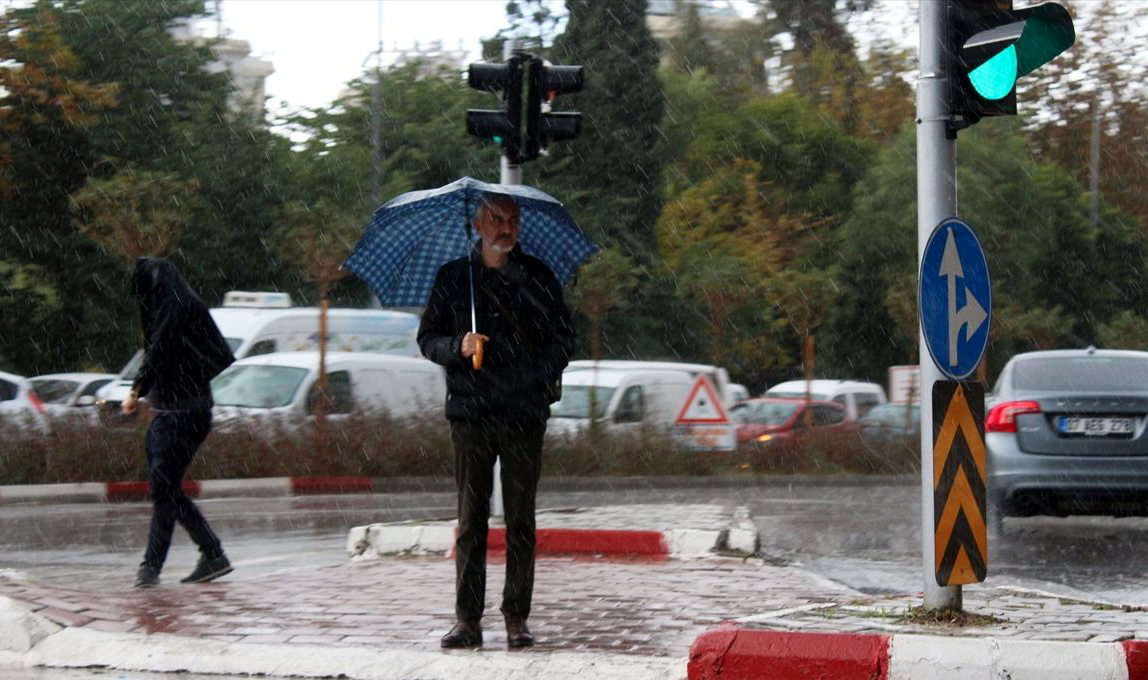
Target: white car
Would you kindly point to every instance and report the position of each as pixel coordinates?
(69, 393)
(284, 386)
(19, 405)
(858, 398)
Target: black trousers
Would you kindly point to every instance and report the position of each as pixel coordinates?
(519, 448)
(172, 440)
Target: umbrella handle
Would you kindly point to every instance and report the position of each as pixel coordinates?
(476, 359)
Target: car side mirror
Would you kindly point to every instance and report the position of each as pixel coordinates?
(86, 400)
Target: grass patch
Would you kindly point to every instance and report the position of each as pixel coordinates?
(948, 617)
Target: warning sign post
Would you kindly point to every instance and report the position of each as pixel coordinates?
(703, 424)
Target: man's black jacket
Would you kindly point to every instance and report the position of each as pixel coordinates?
(183, 348)
(520, 308)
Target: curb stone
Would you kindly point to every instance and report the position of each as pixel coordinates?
(165, 653)
(731, 652)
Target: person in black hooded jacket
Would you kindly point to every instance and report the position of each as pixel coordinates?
(500, 411)
(183, 351)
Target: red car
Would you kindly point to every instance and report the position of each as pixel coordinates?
(777, 420)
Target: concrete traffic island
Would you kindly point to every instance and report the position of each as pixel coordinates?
(669, 531)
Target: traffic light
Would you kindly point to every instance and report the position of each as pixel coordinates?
(542, 125)
(990, 45)
(503, 126)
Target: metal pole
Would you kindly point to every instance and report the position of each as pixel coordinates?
(936, 200)
(509, 173)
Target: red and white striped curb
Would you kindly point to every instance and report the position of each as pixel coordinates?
(730, 652)
(112, 492)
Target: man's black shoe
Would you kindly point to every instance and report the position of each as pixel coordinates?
(463, 634)
(208, 570)
(147, 577)
(517, 634)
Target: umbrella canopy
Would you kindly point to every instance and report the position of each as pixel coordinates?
(415, 233)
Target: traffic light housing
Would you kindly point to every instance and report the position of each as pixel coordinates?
(503, 126)
(990, 45)
(543, 126)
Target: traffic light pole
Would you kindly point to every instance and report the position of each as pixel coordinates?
(510, 172)
(936, 200)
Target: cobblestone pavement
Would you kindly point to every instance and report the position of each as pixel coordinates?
(644, 608)
(653, 608)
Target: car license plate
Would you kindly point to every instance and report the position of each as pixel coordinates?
(1094, 427)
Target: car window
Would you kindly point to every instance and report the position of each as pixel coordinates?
(576, 400)
(772, 412)
(255, 386)
(866, 401)
(632, 406)
(827, 415)
(8, 390)
(261, 347)
(839, 399)
(1082, 374)
(94, 386)
(339, 395)
(52, 391)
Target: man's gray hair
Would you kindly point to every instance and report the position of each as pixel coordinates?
(489, 199)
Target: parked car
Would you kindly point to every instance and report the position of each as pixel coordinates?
(624, 399)
(19, 405)
(284, 386)
(890, 420)
(718, 376)
(255, 323)
(770, 420)
(858, 398)
(69, 393)
(1067, 433)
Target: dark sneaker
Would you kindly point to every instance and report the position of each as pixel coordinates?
(147, 577)
(464, 634)
(208, 570)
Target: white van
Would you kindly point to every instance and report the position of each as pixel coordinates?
(284, 385)
(263, 323)
(718, 376)
(858, 398)
(625, 399)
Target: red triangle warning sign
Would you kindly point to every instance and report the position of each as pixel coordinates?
(703, 407)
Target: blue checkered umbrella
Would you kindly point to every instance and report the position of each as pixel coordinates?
(414, 234)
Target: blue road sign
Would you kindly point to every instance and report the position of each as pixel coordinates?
(954, 300)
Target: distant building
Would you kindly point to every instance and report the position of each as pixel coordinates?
(246, 73)
(431, 59)
(662, 18)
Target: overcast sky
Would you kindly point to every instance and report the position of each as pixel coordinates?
(317, 46)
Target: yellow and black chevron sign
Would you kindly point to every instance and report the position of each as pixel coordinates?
(960, 537)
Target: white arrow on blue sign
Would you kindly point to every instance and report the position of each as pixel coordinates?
(954, 299)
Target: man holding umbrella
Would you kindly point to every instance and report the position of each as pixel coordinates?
(500, 384)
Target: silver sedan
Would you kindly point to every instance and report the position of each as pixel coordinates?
(1067, 433)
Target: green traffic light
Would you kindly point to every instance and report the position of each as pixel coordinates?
(995, 78)
(497, 139)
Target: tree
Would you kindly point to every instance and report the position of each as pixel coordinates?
(610, 176)
(1032, 220)
(606, 284)
(134, 213)
(47, 111)
(320, 238)
(804, 298)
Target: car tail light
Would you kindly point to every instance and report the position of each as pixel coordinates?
(35, 400)
(1002, 417)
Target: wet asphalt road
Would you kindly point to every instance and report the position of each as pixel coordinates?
(864, 535)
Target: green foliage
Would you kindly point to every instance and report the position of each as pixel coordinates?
(1127, 330)
(610, 176)
(1055, 278)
